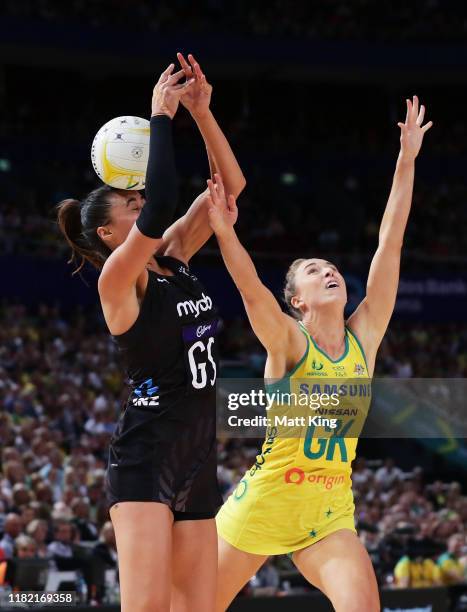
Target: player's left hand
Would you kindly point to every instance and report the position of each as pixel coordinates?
(197, 99)
(412, 131)
(222, 209)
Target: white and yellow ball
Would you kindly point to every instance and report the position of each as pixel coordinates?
(120, 151)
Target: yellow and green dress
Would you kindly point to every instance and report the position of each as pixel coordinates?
(299, 489)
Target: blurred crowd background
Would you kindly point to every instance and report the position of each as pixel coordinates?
(309, 95)
(423, 20)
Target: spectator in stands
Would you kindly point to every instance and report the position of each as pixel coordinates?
(21, 496)
(450, 566)
(37, 530)
(104, 557)
(360, 473)
(389, 474)
(61, 547)
(3, 567)
(25, 547)
(12, 529)
(106, 548)
(87, 529)
(414, 571)
(28, 514)
(416, 568)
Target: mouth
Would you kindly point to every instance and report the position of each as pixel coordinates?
(332, 284)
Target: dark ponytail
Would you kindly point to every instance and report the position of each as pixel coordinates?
(78, 222)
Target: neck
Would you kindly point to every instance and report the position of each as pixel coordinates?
(327, 328)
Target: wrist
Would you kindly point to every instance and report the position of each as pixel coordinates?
(405, 158)
(200, 116)
(226, 234)
(162, 113)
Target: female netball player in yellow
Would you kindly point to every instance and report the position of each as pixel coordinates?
(297, 497)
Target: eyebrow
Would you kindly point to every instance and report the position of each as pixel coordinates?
(313, 263)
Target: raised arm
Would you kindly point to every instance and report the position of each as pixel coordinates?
(188, 234)
(371, 318)
(128, 260)
(270, 324)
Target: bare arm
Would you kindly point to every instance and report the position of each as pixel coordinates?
(188, 234)
(371, 318)
(270, 324)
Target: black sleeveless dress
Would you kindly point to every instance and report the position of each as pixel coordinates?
(164, 446)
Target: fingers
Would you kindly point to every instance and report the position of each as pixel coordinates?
(216, 189)
(211, 205)
(421, 115)
(426, 127)
(231, 203)
(167, 72)
(414, 108)
(414, 116)
(187, 85)
(213, 193)
(401, 125)
(220, 185)
(196, 67)
(409, 110)
(183, 63)
(174, 78)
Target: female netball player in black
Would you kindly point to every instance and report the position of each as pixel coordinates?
(162, 481)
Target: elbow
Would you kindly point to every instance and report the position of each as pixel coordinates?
(249, 291)
(240, 185)
(390, 244)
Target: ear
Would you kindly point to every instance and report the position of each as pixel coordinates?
(296, 302)
(104, 234)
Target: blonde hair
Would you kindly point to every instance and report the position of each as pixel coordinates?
(290, 289)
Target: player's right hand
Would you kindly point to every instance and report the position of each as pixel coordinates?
(222, 209)
(167, 92)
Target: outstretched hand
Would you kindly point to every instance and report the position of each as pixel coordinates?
(167, 92)
(412, 131)
(197, 98)
(222, 209)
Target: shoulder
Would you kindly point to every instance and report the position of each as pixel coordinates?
(364, 339)
(293, 350)
(295, 336)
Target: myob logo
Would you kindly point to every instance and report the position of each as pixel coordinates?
(189, 306)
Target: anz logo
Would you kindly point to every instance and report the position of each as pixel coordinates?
(146, 394)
